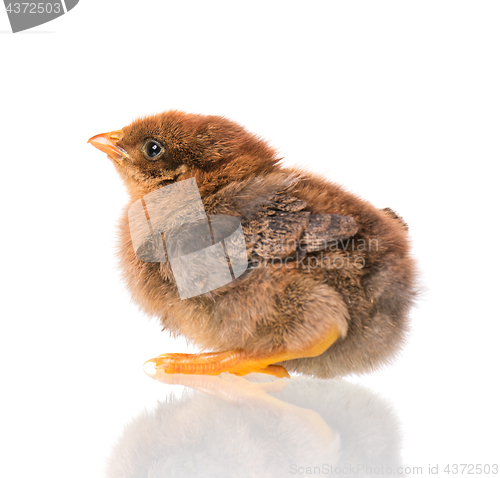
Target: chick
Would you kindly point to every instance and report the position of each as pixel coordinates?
(330, 281)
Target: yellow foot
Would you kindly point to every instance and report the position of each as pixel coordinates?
(238, 362)
(235, 361)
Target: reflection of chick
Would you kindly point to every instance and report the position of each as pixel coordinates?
(252, 391)
(331, 280)
(199, 435)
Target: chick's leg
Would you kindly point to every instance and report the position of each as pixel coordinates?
(239, 362)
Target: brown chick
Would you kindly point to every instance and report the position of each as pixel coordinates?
(330, 280)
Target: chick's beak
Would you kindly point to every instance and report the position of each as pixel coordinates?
(106, 142)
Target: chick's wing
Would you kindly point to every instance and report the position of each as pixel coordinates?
(282, 225)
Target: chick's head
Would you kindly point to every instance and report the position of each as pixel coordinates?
(156, 150)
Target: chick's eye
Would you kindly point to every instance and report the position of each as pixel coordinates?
(152, 149)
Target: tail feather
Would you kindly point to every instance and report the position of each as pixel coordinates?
(396, 216)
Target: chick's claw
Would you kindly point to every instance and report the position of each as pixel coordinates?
(215, 363)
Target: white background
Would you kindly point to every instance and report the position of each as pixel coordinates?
(398, 101)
